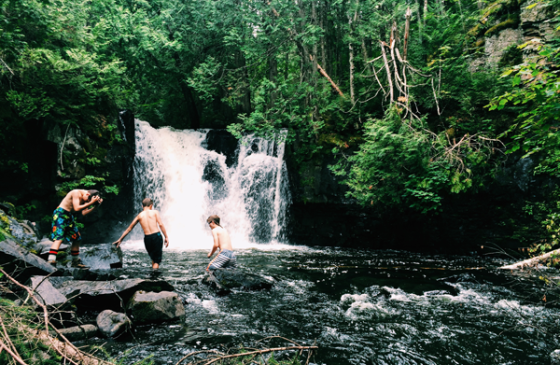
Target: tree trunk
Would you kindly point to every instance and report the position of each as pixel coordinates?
(419, 22)
(351, 62)
(425, 11)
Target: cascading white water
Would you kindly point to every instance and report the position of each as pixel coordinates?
(188, 183)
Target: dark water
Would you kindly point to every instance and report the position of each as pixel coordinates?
(359, 307)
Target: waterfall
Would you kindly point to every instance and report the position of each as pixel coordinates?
(188, 183)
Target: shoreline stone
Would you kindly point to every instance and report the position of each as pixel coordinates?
(111, 323)
(150, 307)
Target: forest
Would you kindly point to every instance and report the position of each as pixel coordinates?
(418, 107)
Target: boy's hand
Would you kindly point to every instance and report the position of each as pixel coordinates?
(166, 242)
(117, 243)
(210, 255)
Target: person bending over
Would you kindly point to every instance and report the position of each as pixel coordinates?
(64, 227)
(149, 220)
(222, 243)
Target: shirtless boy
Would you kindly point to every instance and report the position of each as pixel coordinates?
(222, 242)
(64, 226)
(149, 220)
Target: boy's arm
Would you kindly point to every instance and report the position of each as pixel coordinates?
(162, 227)
(216, 243)
(76, 202)
(214, 248)
(90, 209)
(118, 242)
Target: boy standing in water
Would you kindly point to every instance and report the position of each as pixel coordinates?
(149, 220)
(222, 242)
(64, 226)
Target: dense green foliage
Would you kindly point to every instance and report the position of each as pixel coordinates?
(393, 92)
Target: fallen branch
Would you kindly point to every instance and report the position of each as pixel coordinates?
(532, 262)
(261, 352)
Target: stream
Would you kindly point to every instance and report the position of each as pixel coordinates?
(358, 306)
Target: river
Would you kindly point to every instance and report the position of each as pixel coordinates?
(358, 306)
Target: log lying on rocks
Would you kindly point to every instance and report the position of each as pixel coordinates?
(77, 333)
(532, 262)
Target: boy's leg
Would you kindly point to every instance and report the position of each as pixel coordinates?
(59, 224)
(155, 265)
(54, 251)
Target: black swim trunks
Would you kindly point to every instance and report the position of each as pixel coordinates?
(154, 246)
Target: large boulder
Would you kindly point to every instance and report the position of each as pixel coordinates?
(102, 256)
(155, 307)
(46, 292)
(108, 294)
(78, 333)
(228, 279)
(112, 323)
(21, 263)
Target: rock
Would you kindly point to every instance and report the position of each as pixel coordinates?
(78, 333)
(46, 292)
(539, 13)
(44, 245)
(91, 275)
(108, 294)
(227, 279)
(495, 45)
(155, 307)
(555, 357)
(112, 323)
(102, 256)
(22, 264)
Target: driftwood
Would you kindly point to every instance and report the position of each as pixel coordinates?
(532, 262)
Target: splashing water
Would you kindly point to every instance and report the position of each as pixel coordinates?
(188, 183)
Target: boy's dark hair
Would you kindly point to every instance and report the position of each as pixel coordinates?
(214, 218)
(92, 193)
(147, 202)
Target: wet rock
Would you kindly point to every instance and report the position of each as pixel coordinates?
(155, 307)
(91, 275)
(555, 357)
(111, 323)
(44, 245)
(78, 333)
(102, 256)
(46, 292)
(108, 294)
(227, 279)
(20, 262)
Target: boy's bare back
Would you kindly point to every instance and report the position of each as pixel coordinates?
(221, 238)
(149, 220)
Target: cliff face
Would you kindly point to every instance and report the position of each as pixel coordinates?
(507, 24)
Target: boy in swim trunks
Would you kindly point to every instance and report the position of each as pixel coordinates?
(64, 227)
(149, 220)
(226, 257)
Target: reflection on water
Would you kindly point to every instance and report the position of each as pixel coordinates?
(360, 307)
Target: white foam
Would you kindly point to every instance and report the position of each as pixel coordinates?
(251, 197)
